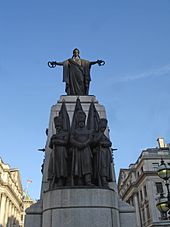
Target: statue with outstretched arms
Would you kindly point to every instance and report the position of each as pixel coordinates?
(76, 73)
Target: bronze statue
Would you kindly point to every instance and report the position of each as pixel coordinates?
(81, 155)
(80, 140)
(76, 73)
(57, 171)
(102, 156)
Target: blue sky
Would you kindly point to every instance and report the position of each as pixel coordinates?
(132, 36)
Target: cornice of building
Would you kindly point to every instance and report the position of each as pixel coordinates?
(148, 154)
(133, 187)
(122, 171)
(15, 198)
(19, 186)
(128, 178)
(11, 173)
(152, 153)
(10, 184)
(9, 181)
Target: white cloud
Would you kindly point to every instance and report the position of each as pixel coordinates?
(164, 70)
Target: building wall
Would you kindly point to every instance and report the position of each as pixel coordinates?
(137, 185)
(11, 197)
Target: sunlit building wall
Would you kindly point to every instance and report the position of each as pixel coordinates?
(13, 201)
(140, 186)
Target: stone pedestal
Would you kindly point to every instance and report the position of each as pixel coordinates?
(34, 215)
(85, 207)
(80, 207)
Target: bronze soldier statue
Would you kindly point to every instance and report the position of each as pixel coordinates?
(102, 156)
(80, 140)
(57, 171)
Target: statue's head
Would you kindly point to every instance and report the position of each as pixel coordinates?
(80, 118)
(58, 123)
(76, 52)
(102, 124)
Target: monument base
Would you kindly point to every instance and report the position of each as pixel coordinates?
(85, 207)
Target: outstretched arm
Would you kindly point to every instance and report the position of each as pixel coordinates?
(93, 62)
(53, 64)
(99, 62)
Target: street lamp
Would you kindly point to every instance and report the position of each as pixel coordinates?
(163, 203)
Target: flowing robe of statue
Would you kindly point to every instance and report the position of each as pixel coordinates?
(58, 159)
(76, 73)
(81, 156)
(80, 139)
(77, 76)
(102, 159)
(58, 162)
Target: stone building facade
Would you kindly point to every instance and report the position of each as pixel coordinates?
(140, 186)
(13, 202)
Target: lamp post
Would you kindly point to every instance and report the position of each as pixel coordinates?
(163, 203)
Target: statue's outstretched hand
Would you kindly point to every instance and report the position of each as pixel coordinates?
(100, 62)
(52, 64)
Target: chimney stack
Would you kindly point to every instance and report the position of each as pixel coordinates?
(161, 143)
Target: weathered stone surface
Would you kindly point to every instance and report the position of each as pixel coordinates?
(80, 207)
(127, 214)
(80, 197)
(85, 207)
(34, 215)
(90, 217)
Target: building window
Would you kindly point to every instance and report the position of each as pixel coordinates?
(148, 212)
(145, 191)
(159, 187)
(142, 169)
(155, 166)
(141, 195)
(131, 201)
(143, 216)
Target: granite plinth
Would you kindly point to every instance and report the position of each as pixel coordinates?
(34, 215)
(126, 214)
(80, 207)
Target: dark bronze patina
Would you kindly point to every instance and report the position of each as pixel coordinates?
(80, 154)
(102, 156)
(76, 73)
(58, 163)
(80, 140)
